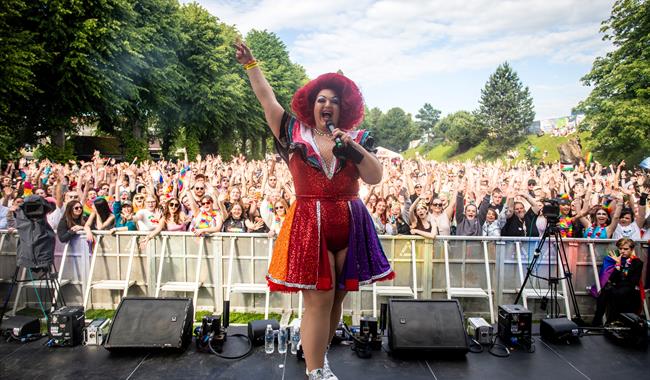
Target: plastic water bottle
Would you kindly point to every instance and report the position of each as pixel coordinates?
(295, 339)
(282, 340)
(269, 340)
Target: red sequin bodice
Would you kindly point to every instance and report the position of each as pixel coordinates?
(310, 182)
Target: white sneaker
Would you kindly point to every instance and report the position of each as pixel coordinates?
(327, 371)
(316, 374)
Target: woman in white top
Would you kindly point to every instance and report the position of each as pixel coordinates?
(149, 217)
(441, 216)
(629, 225)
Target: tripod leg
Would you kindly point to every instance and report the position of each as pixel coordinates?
(530, 268)
(14, 280)
(563, 258)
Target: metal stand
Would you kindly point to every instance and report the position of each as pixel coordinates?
(553, 238)
(47, 276)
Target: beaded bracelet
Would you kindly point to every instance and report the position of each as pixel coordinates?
(250, 65)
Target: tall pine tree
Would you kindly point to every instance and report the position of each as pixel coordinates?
(427, 118)
(506, 109)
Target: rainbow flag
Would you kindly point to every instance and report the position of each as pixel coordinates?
(589, 158)
(27, 189)
(181, 177)
(88, 207)
(608, 205)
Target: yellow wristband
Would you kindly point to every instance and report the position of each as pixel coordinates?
(250, 65)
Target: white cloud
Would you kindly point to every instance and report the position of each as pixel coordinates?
(390, 40)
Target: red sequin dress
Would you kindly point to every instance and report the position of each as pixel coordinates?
(327, 216)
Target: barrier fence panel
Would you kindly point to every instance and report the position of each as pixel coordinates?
(156, 264)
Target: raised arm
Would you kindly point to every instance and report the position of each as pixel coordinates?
(641, 214)
(617, 215)
(273, 111)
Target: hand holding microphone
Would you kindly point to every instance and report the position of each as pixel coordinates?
(344, 151)
(338, 144)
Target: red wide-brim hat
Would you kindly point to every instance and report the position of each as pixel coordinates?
(351, 100)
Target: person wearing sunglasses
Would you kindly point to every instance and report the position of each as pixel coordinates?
(173, 219)
(441, 216)
(328, 245)
(206, 219)
(279, 213)
(72, 222)
(148, 217)
(138, 202)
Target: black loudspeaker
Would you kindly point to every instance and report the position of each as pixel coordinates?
(427, 326)
(151, 323)
(629, 330)
(257, 330)
(559, 330)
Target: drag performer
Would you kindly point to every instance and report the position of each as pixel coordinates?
(327, 245)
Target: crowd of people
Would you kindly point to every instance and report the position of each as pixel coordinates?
(415, 197)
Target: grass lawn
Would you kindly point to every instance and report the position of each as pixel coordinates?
(448, 151)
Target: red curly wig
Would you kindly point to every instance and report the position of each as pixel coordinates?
(351, 100)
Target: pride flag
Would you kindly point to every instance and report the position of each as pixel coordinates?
(27, 189)
(88, 207)
(608, 205)
(181, 177)
(589, 158)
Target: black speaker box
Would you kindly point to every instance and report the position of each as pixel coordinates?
(634, 332)
(426, 326)
(151, 323)
(19, 326)
(257, 330)
(559, 330)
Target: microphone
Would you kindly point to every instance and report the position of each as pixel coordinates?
(338, 143)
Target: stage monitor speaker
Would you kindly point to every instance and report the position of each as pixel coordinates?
(559, 330)
(427, 326)
(257, 329)
(151, 323)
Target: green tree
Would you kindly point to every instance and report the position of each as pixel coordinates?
(618, 108)
(73, 77)
(506, 109)
(212, 91)
(152, 110)
(395, 129)
(427, 118)
(462, 128)
(19, 53)
(370, 119)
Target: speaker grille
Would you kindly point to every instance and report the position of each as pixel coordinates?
(426, 325)
(151, 323)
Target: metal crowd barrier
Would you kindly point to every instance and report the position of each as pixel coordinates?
(481, 271)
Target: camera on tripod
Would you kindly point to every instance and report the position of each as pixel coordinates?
(36, 241)
(551, 209)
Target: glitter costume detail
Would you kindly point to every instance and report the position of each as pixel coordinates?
(327, 215)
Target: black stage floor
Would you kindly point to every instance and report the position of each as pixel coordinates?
(594, 357)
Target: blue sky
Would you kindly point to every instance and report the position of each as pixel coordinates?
(410, 52)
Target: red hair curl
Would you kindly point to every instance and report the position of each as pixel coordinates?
(351, 100)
